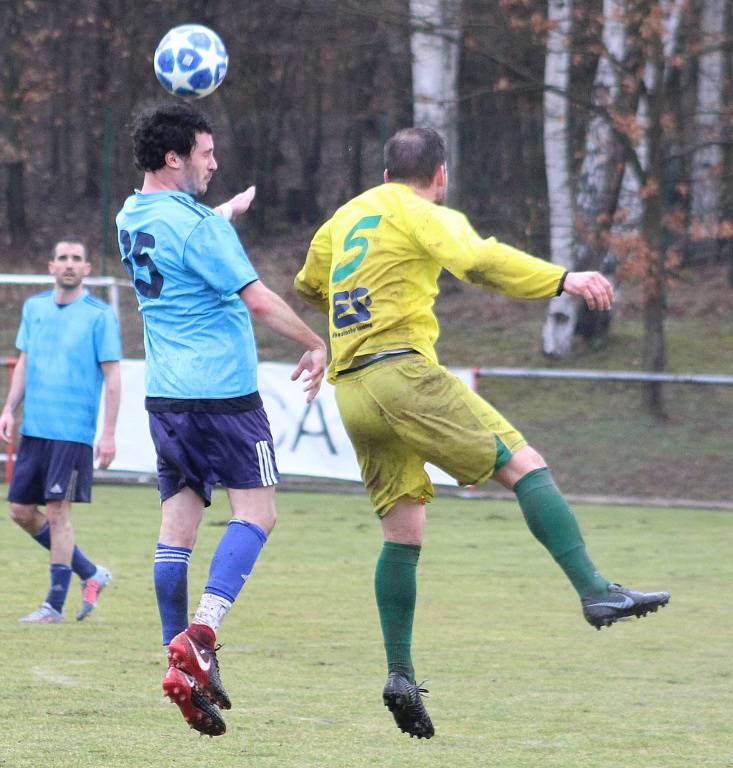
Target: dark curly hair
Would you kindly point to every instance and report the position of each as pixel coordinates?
(157, 131)
(413, 155)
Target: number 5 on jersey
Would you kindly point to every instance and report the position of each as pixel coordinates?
(149, 289)
(357, 299)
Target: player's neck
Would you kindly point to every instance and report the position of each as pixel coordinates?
(67, 296)
(427, 193)
(159, 181)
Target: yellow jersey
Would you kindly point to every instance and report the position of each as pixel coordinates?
(374, 268)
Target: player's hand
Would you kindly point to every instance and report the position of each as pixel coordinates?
(591, 286)
(241, 202)
(105, 451)
(7, 426)
(314, 362)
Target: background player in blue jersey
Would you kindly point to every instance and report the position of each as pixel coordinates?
(198, 293)
(69, 344)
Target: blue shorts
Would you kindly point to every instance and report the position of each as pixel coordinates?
(199, 450)
(51, 470)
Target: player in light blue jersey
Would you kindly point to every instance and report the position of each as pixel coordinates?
(69, 346)
(198, 294)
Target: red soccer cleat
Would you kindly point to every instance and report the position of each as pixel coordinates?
(194, 652)
(196, 708)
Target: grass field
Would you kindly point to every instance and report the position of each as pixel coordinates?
(516, 676)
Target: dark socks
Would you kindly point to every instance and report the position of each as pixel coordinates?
(553, 524)
(81, 565)
(170, 574)
(60, 580)
(395, 587)
(234, 559)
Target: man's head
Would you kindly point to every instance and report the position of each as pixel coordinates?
(175, 142)
(69, 264)
(416, 156)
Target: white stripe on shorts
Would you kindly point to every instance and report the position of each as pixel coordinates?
(267, 473)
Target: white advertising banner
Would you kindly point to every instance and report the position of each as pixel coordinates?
(309, 437)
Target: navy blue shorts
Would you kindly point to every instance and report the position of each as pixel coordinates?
(51, 470)
(199, 450)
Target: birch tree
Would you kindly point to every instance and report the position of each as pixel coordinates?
(595, 192)
(557, 333)
(435, 47)
(707, 160)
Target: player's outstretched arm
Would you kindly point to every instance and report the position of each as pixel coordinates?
(593, 287)
(14, 399)
(237, 205)
(267, 307)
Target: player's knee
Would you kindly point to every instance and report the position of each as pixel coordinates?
(530, 459)
(21, 514)
(57, 513)
(267, 519)
(525, 460)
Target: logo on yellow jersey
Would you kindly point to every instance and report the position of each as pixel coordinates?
(347, 268)
(351, 307)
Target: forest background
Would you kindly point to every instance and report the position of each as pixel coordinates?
(594, 134)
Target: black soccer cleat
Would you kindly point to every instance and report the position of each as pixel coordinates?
(404, 700)
(621, 603)
(215, 689)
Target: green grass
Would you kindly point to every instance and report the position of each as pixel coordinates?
(516, 676)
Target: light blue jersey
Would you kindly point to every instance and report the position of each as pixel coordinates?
(65, 344)
(188, 266)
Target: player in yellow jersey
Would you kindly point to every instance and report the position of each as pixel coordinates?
(374, 268)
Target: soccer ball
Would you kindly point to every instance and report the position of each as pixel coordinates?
(190, 61)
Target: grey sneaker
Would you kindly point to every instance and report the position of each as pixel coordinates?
(90, 589)
(621, 603)
(46, 614)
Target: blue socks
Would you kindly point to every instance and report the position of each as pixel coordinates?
(81, 565)
(230, 568)
(60, 580)
(170, 574)
(234, 559)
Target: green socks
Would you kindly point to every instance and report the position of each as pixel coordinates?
(553, 524)
(395, 586)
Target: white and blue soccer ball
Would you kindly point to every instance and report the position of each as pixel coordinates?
(191, 61)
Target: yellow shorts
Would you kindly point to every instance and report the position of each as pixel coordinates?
(405, 411)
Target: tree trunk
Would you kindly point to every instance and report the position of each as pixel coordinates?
(707, 161)
(15, 198)
(13, 98)
(435, 49)
(654, 286)
(559, 327)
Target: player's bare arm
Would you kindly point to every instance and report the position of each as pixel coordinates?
(593, 287)
(270, 309)
(106, 449)
(237, 205)
(14, 399)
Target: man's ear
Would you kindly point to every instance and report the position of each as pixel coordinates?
(441, 175)
(172, 159)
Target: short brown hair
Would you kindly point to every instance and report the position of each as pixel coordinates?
(414, 155)
(75, 240)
